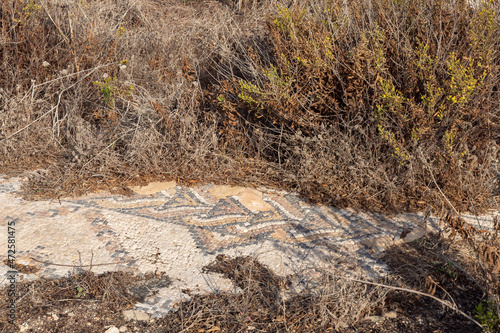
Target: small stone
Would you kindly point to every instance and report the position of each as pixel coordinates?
(391, 314)
(112, 329)
(279, 234)
(135, 315)
(155, 187)
(55, 317)
(71, 314)
(377, 244)
(248, 197)
(123, 329)
(24, 327)
(414, 235)
(45, 64)
(375, 319)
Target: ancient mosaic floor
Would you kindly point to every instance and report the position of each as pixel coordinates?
(178, 230)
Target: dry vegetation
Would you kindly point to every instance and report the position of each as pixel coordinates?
(388, 105)
(88, 303)
(381, 104)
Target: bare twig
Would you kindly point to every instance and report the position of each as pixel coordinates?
(53, 108)
(465, 272)
(75, 73)
(102, 151)
(72, 36)
(65, 265)
(76, 299)
(25, 127)
(435, 182)
(446, 303)
(57, 27)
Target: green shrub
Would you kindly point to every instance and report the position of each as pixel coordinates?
(487, 316)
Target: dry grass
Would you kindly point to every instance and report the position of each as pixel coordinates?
(87, 303)
(106, 94)
(113, 93)
(381, 104)
(87, 127)
(365, 102)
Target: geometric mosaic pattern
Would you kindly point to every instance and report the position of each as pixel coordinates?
(219, 224)
(178, 230)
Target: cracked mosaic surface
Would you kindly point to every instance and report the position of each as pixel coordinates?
(178, 230)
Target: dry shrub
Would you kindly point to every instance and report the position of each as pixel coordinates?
(111, 288)
(82, 302)
(380, 103)
(445, 268)
(485, 249)
(107, 93)
(366, 102)
(261, 302)
(468, 260)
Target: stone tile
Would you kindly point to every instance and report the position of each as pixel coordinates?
(178, 230)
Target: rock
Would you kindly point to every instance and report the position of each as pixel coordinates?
(378, 244)
(123, 329)
(135, 315)
(249, 197)
(24, 327)
(414, 235)
(112, 329)
(55, 317)
(375, 319)
(391, 314)
(155, 187)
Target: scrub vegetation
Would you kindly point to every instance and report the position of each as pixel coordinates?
(386, 105)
